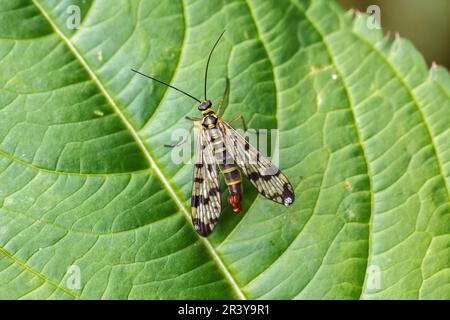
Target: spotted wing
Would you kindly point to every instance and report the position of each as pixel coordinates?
(205, 201)
(265, 177)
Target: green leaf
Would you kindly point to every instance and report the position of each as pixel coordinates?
(87, 185)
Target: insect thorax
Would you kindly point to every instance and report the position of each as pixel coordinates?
(210, 120)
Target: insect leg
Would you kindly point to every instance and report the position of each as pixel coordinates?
(184, 140)
(225, 93)
(193, 118)
(240, 118)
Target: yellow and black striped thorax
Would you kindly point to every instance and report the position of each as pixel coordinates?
(210, 119)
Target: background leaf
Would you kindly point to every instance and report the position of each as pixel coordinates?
(86, 181)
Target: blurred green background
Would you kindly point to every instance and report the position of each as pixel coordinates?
(425, 23)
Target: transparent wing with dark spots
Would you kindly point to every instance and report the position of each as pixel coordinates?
(205, 201)
(265, 177)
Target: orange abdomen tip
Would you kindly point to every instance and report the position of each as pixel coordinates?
(237, 210)
(234, 200)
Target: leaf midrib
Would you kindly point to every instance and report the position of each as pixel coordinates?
(142, 146)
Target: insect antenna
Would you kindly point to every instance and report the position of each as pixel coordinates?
(209, 58)
(179, 90)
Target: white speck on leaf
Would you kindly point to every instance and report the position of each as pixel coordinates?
(100, 55)
(318, 100)
(9, 201)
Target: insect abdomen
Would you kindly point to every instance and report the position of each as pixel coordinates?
(232, 177)
(229, 169)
